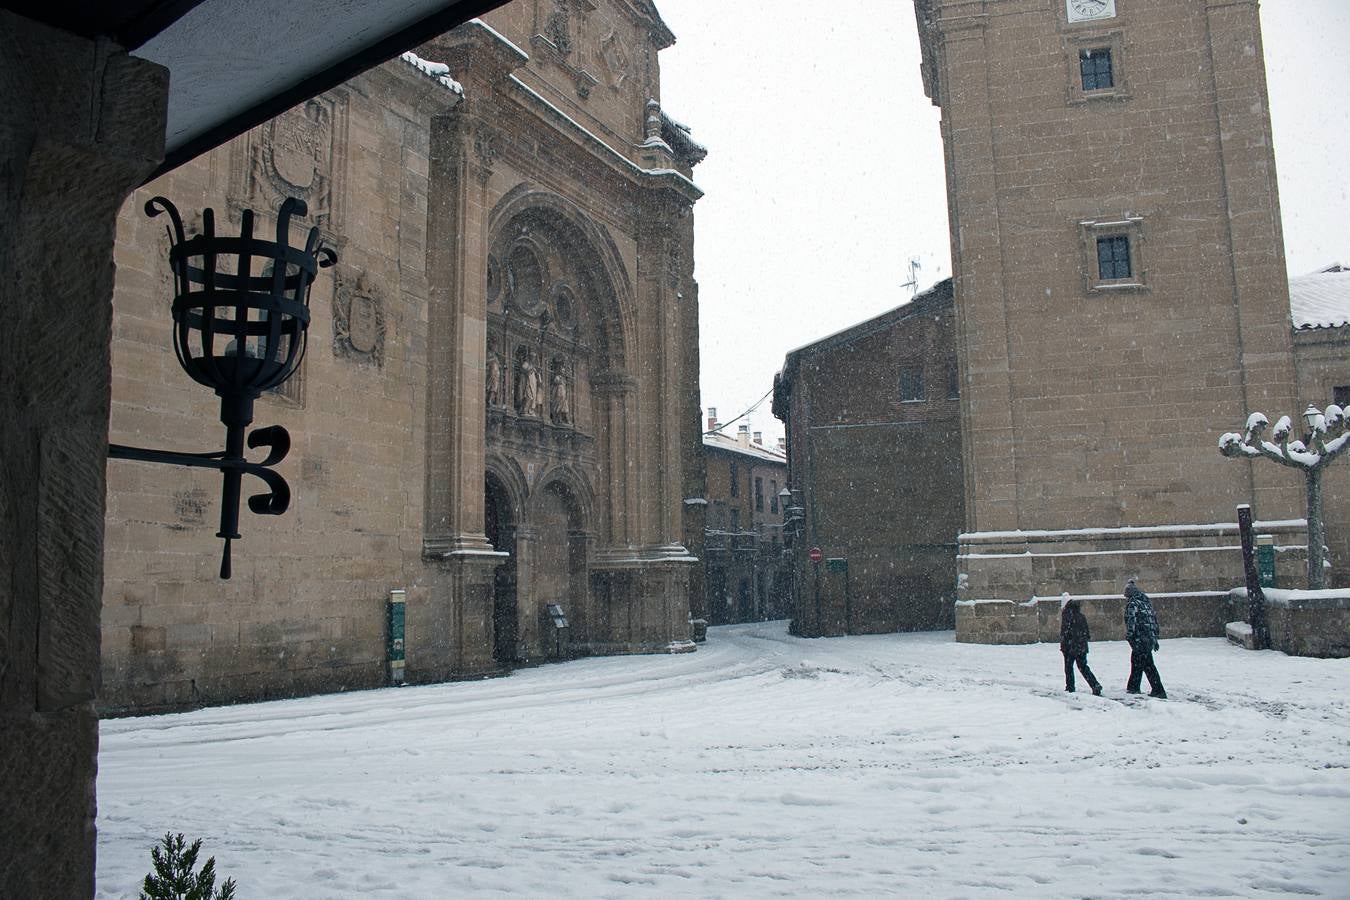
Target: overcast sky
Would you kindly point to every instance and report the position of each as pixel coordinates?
(824, 174)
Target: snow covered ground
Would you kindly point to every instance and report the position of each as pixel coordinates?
(763, 765)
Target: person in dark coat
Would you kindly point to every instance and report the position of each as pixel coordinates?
(1073, 643)
(1141, 630)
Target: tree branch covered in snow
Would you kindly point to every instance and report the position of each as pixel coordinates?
(1329, 439)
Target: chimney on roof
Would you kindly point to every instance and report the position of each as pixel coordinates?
(712, 418)
(759, 438)
(743, 435)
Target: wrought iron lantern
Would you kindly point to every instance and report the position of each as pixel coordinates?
(240, 316)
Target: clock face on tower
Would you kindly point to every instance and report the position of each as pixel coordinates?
(1090, 10)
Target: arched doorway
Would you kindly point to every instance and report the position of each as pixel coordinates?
(500, 523)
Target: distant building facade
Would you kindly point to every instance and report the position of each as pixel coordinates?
(489, 416)
(745, 565)
(872, 416)
(1319, 306)
(1121, 297)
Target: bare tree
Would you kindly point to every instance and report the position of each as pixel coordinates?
(1329, 437)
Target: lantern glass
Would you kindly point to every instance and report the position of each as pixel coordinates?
(1310, 416)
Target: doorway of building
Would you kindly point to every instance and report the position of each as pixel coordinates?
(500, 527)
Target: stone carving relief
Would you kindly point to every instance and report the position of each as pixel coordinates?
(566, 36)
(486, 147)
(559, 28)
(546, 343)
(359, 320)
(298, 154)
(525, 279)
(614, 56)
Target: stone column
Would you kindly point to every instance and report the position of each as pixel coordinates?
(618, 395)
(82, 124)
(989, 448)
(457, 341)
(1256, 237)
(661, 341)
(459, 586)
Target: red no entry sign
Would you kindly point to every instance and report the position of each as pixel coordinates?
(815, 555)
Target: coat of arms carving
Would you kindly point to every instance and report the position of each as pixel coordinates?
(359, 320)
(298, 154)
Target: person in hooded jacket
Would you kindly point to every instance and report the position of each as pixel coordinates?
(1073, 643)
(1141, 630)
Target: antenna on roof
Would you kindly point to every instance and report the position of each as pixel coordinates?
(913, 283)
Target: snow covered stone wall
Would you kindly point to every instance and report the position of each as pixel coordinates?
(1186, 569)
(1305, 623)
(1180, 614)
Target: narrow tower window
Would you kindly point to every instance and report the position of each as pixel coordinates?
(1113, 257)
(1095, 66)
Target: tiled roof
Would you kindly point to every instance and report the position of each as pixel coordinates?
(1320, 300)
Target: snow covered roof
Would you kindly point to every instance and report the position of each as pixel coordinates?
(1320, 300)
(719, 441)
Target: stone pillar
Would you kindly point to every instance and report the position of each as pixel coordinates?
(527, 603)
(81, 126)
(457, 342)
(618, 395)
(1256, 238)
(987, 439)
(661, 342)
(460, 588)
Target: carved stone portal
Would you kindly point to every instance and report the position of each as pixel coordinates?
(359, 320)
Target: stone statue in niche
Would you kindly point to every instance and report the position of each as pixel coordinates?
(528, 399)
(494, 379)
(562, 413)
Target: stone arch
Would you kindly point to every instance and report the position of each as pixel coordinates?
(507, 473)
(591, 245)
(574, 484)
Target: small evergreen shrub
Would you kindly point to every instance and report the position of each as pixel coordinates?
(173, 878)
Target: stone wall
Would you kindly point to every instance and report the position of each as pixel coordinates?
(1323, 359)
(82, 123)
(1198, 614)
(1091, 403)
(877, 461)
(1307, 623)
(426, 190)
(305, 610)
(1188, 571)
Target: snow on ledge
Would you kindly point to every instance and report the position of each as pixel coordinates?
(1127, 530)
(438, 71)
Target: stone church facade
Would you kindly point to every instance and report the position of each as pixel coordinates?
(1121, 300)
(499, 391)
